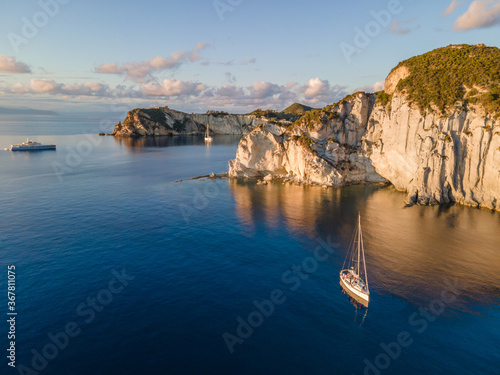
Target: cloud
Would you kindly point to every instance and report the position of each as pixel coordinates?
(397, 29)
(261, 90)
(451, 8)
(378, 86)
(315, 87)
(231, 78)
(319, 92)
(10, 65)
(251, 61)
(316, 92)
(230, 62)
(49, 86)
(480, 15)
(142, 71)
(172, 87)
(19, 88)
(230, 91)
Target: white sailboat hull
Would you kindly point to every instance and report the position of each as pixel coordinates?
(359, 295)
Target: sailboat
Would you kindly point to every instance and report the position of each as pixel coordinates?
(208, 138)
(353, 279)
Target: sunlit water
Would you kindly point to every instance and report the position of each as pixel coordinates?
(202, 251)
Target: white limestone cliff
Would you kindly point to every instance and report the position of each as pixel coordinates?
(435, 159)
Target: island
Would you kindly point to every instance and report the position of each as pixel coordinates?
(433, 132)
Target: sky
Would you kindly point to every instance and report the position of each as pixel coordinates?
(232, 55)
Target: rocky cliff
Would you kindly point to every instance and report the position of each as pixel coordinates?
(164, 121)
(441, 149)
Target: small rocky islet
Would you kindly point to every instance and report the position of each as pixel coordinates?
(433, 132)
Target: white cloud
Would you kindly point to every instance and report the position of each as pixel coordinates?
(10, 65)
(378, 86)
(86, 89)
(315, 87)
(316, 92)
(480, 15)
(261, 90)
(19, 88)
(45, 86)
(141, 71)
(172, 87)
(451, 8)
(49, 86)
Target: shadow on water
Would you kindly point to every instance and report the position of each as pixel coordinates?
(412, 253)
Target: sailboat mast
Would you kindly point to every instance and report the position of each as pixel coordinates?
(359, 240)
(363, 251)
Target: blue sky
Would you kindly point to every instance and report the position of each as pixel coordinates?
(234, 55)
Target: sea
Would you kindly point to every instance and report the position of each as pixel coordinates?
(122, 264)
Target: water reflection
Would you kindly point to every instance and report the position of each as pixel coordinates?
(411, 252)
(137, 144)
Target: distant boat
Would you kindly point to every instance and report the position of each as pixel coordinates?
(354, 279)
(31, 146)
(208, 138)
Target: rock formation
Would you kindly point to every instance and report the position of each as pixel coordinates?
(437, 156)
(164, 121)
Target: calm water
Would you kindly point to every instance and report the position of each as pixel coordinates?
(200, 253)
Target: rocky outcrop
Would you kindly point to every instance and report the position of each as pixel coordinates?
(435, 158)
(433, 132)
(394, 77)
(164, 121)
(322, 151)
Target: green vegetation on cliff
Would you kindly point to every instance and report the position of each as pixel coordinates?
(297, 109)
(383, 98)
(291, 113)
(457, 73)
(316, 117)
(304, 141)
(155, 114)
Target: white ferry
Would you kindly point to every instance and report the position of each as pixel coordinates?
(31, 146)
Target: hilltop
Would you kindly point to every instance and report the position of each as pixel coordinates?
(291, 113)
(454, 75)
(297, 109)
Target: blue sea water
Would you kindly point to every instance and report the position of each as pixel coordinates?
(195, 258)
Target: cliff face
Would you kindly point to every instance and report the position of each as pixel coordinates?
(324, 151)
(435, 158)
(434, 132)
(164, 121)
